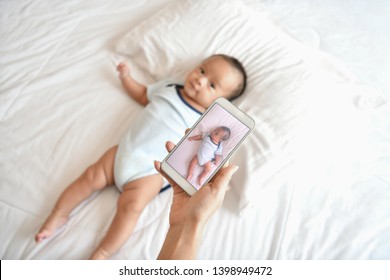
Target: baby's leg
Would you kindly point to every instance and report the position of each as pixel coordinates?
(191, 167)
(206, 170)
(132, 201)
(95, 177)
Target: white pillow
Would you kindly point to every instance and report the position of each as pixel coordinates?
(284, 78)
(177, 37)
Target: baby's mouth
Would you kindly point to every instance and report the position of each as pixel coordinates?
(193, 88)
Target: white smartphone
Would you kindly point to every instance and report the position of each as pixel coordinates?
(208, 145)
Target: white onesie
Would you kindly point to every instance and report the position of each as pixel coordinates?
(166, 117)
(208, 149)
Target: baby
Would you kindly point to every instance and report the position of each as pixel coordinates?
(209, 151)
(169, 109)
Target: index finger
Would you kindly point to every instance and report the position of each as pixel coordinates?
(157, 166)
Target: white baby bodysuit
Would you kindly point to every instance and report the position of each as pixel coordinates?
(208, 149)
(166, 117)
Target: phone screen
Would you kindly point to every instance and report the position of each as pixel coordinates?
(208, 144)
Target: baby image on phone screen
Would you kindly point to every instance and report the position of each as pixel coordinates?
(209, 153)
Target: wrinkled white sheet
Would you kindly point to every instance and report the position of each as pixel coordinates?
(355, 31)
(62, 106)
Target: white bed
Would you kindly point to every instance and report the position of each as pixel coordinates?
(314, 179)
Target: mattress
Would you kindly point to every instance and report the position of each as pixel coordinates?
(62, 106)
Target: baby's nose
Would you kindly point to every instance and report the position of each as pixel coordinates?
(202, 81)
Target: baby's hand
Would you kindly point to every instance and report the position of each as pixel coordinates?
(123, 69)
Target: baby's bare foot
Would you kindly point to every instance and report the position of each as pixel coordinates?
(54, 221)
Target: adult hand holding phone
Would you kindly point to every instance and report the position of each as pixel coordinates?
(219, 132)
(189, 214)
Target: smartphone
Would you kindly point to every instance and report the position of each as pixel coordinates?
(208, 145)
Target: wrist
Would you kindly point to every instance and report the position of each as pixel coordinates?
(188, 229)
(182, 242)
(124, 76)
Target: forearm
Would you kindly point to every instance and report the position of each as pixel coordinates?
(196, 137)
(218, 159)
(181, 243)
(136, 90)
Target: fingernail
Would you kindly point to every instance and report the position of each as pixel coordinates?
(235, 168)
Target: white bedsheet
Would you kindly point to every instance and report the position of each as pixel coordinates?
(62, 106)
(355, 31)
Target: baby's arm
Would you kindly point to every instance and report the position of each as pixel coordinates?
(136, 90)
(218, 159)
(196, 137)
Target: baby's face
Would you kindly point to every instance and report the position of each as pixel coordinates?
(212, 79)
(218, 134)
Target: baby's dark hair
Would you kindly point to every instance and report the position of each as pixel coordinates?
(227, 133)
(236, 64)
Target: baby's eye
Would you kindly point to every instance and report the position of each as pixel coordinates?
(201, 70)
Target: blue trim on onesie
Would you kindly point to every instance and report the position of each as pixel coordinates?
(185, 102)
(219, 144)
(163, 189)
